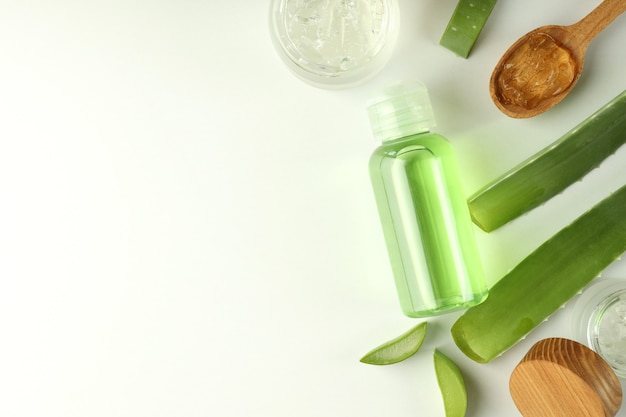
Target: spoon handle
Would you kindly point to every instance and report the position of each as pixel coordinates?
(599, 18)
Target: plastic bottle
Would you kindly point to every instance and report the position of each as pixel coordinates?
(424, 213)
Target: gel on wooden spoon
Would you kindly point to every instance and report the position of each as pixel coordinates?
(542, 67)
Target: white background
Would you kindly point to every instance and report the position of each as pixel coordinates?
(186, 229)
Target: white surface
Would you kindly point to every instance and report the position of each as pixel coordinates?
(186, 229)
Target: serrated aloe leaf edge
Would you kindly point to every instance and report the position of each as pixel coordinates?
(551, 170)
(544, 281)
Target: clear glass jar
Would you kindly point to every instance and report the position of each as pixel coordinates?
(599, 321)
(334, 43)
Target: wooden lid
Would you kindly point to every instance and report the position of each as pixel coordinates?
(562, 378)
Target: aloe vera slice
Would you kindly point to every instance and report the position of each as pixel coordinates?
(465, 25)
(544, 281)
(398, 349)
(551, 170)
(451, 384)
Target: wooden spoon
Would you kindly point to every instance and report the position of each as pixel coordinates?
(541, 68)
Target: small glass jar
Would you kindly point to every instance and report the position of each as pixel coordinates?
(334, 43)
(599, 321)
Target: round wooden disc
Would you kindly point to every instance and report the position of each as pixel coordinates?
(562, 378)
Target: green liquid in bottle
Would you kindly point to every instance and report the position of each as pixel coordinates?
(425, 218)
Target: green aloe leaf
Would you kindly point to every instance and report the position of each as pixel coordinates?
(398, 349)
(465, 25)
(551, 170)
(544, 281)
(451, 384)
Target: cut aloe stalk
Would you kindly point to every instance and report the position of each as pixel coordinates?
(544, 281)
(465, 26)
(451, 384)
(398, 349)
(550, 171)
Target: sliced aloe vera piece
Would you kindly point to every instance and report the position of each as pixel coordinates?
(451, 384)
(551, 170)
(544, 281)
(465, 25)
(398, 349)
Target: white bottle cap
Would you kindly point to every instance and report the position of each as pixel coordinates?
(401, 110)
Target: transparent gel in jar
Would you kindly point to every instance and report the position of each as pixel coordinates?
(599, 321)
(334, 43)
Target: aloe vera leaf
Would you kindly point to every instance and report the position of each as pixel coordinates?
(398, 349)
(544, 281)
(551, 170)
(465, 25)
(451, 384)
